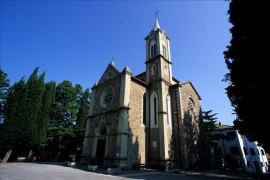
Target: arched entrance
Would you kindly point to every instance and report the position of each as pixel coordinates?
(101, 145)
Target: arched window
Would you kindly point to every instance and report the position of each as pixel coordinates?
(144, 109)
(166, 69)
(164, 51)
(154, 109)
(153, 49)
(169, 110)
(191, 107)
(103, 131)
(153, 69)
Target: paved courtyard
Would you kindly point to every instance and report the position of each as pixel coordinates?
(54, 171)
(57, 171)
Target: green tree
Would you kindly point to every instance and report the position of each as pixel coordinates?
(212, 136)
(80, 122)
(83, 109)
(210, 120)
(44, 113)
(63, 116)
(4, 86)
(35, 90)
(246, 61)
(23, 126)
(14, 129)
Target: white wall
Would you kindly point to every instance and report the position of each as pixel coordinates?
(248, 160)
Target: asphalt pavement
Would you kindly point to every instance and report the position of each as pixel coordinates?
(58, 171)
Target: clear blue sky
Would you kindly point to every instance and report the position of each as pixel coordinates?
(76, 40)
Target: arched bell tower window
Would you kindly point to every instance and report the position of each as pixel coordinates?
(164, 51)
(154, 109)
(153, 69)
(153, 49)
(166, 69)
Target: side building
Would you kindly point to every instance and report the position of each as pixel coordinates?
(251, 155)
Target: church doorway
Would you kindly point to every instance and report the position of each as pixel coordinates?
(101, 145)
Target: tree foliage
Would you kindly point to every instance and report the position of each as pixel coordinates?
(212, 136)
(35, 90)
(22, 121)
(82, 113)
(65, 113)
(246, 59)
(4, 86)
(15, 125)
(209, 122)
(44, 113)
(41, 116)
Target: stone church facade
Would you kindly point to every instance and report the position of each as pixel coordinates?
(150, 119)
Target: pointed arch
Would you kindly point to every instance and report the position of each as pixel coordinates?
(164, 50)
(153, 69)
(154, 110)
(101, 127)
(191, 106)
(103, 131)
(166, 69)
(153, 48)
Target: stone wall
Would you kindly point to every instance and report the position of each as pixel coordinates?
(138, 138)
(190, 125)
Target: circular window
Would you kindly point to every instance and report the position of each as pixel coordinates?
(106, 97)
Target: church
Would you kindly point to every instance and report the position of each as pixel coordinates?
(150, 119)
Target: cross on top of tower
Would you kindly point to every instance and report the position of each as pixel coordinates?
(156, 14)
(156, 26)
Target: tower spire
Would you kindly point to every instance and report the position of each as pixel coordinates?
(156, 25)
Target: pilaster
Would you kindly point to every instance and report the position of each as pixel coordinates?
(123, 117)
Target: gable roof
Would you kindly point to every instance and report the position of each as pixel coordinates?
(189, 82)
(110, 72)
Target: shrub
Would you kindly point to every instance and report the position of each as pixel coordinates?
(71, 158)
(115, 165)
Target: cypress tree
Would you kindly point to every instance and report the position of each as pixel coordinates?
(44, 115)
(35, 89)
(4, 86)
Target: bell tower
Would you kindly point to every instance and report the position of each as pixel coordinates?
(158, 56)
(159, 77)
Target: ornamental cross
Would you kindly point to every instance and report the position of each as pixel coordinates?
(156, 14)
